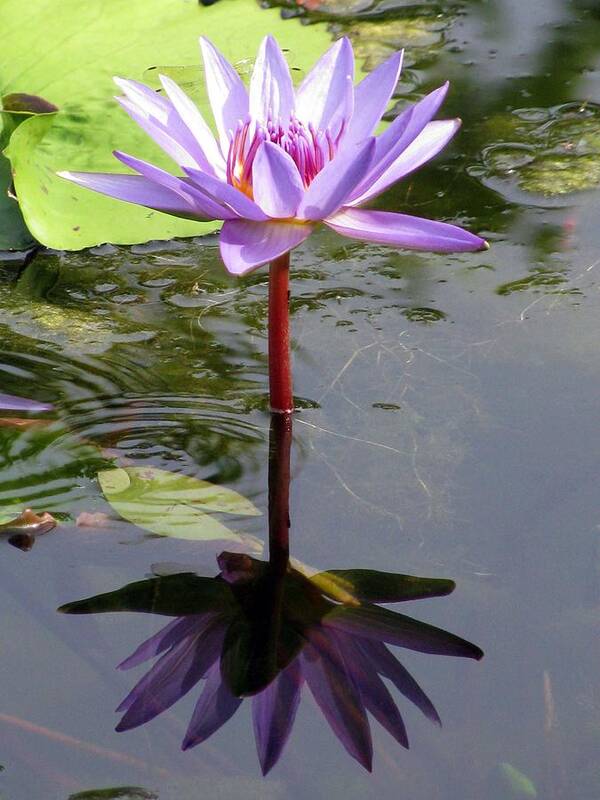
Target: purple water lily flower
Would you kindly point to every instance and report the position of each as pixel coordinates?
(9, 402)
(285, 158)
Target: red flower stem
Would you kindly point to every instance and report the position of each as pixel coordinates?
(280, 370)
(280, 443)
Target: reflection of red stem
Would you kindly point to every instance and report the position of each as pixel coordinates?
(280, 371)
(280, 442)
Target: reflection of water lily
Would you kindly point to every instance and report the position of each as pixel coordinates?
(252, 632)
(9, 402)
(285, 159)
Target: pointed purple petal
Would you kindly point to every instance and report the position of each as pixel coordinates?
(167, 637)
(433, 138)
(226, 92)
(387, 665)
(276, 182)
(375, 694)
(401, 230)
(371, 98)
(273, 712)
(215, 706)
(196, 124)
(248, 245)
(173, 675)
(381, 624)
(161, 121)
(206, 205)
(337, 695)
(323, 98)
(402, 131)
(220, 192)
(139, 190)
(332, 186)
(9, 402)
(271, 89)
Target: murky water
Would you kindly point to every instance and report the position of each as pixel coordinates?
(449, 427)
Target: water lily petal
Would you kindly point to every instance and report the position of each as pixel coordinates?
(337, 695)
(167, 637)
(226, 92)
(402, 230)
(433, 138)
(246, 245)
(387, 665)
(173, 675)
(323, 98)
(273, 713)
(195, 122)
(402, 131)
(9, 402)
(139, 190)
(159, 118)
(226, 195)
(207, 205)
(276, 182)
(271, 89)
(371, 98)
(214, 707)
(336, 181)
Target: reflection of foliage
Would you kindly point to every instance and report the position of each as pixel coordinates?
(43, 466)
(255, 630)
(116, 793)
(545, 151)
(374, 41)
(541, 278)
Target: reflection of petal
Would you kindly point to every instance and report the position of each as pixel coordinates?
(375, 694)
(274, 711)
(337, 695)
(167, 637)
(9, 402)
(381, 624)
(215, 706)
(385, 663)
(174, 674)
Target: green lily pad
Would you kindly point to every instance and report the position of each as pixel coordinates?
(76, 54)
(170, 504)
(16, 108)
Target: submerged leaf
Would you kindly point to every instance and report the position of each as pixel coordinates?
(171, 504)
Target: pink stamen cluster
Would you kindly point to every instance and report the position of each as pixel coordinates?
(309, 148)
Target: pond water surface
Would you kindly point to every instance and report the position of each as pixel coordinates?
(448, 427)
